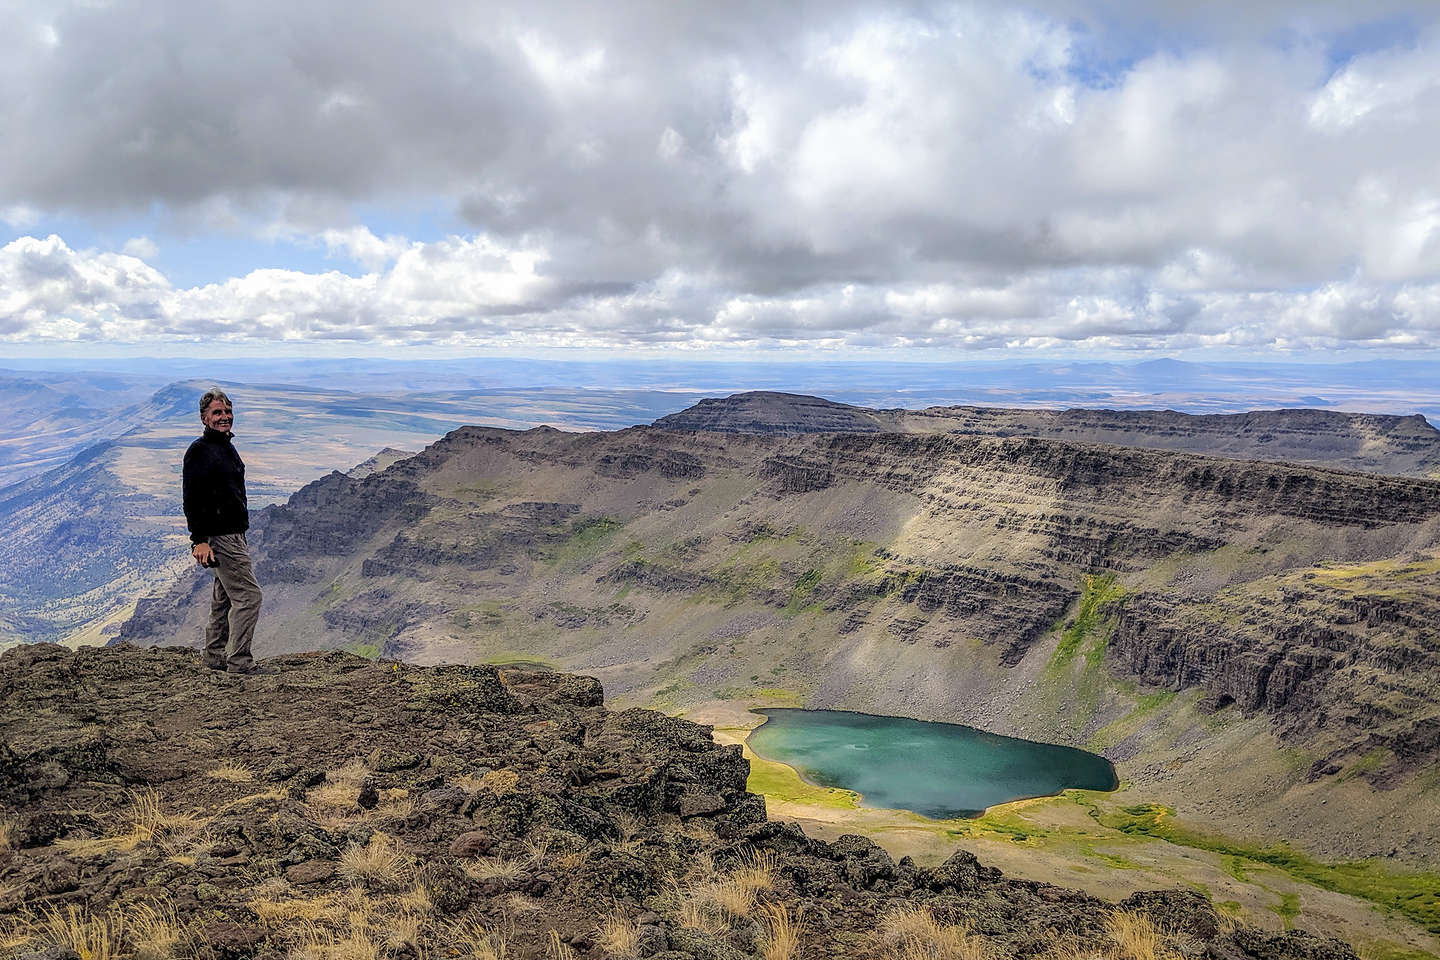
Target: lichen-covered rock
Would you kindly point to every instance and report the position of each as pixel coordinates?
(529, 809)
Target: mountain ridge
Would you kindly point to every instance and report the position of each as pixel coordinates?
(1382, 443)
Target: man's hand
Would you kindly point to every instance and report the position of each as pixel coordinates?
(202, 554)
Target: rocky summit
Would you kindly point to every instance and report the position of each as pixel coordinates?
(340, 807)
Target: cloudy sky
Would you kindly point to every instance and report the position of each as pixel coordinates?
(852, 179)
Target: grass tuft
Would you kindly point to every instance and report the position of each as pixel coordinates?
(782, 934)
(341, 788)
(558, 949)
(914, 933)
(619, 935)
(321, 944)
(231, 773)
(144, 820)
(155, 933)
(1136, 936)
(493, 868)
(377, 863)
(478, 942)
(92, 936)
(277, 910)
(499, 782)
(756, 871)
(734, 899)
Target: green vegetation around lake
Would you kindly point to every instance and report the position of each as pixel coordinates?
(939, 770)
(1086, 633)
(1416, 895)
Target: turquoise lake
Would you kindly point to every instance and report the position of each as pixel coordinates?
(939, 770)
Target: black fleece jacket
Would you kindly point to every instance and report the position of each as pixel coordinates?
(214, 482)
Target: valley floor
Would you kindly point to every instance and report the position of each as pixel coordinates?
(1099, 843)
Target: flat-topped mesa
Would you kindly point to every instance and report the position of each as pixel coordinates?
(425, 810)
(765, 413)
(1376, 443)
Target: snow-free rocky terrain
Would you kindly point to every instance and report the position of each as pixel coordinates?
(346, 808)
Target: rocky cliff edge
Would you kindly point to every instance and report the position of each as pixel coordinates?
(344, 808)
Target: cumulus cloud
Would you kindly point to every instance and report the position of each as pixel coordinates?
(835, 174)
(479, 292)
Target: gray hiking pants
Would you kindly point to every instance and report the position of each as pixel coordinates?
(234, 604)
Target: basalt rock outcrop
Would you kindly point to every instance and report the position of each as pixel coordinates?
(340, 806)
(1345, 656)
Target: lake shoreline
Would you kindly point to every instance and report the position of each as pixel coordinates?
(1065, 840)
(970, 738)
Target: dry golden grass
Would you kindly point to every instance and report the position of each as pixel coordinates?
(702, 865)
(571, 861)
(619, 935)
(402, 930)
(154, 933)
(81, 847)
(477, 942)
(341, 788)
(1137, 937)
(782, 934)
(14, 932)
(691, 910)
(732, 898)
(7, 835)
(499, 782)
(468, 782)
(1070, 948)
(537, 852)
(395, 804)
(557, 949)
(147, 818)
(276, 910)
(756, 872)
(186, 848)
(321, 944)
(274, 888)
(518, 903)
(92, 936)
(913, 933)
(144, 820)
(377, 864)
(231, 773)
(693, 913)
(493, 868)
(416, 900)
(630, 826)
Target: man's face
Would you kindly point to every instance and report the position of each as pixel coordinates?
(218, 416)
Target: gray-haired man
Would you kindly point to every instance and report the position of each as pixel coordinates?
(218, 516)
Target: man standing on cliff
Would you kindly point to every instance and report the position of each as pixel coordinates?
(218, 516)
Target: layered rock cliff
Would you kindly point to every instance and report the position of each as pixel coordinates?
(888, 572)
(1377, 443)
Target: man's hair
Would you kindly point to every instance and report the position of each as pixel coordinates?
(210, 396)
